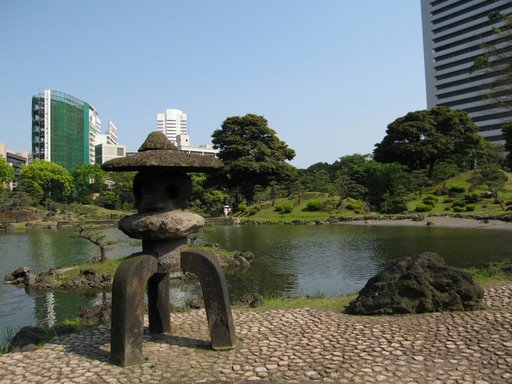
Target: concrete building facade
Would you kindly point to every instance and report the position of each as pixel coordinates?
(15, 159)
(455, 33)
(107, 147)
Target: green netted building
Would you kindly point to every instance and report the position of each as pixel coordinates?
(63, 129)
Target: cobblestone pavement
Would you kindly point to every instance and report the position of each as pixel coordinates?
(295, 346)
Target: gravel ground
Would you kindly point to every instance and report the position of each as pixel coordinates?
(296, 345)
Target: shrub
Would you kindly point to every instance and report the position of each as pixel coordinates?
(470, 207)
(430, 200)
(330, 204)
(397, 207)
(423, 208)
(352, 206)
(471, 197)
(447, 208)
(456, 189)
(314, 205)
(508, 203)
(458, 209)
(459, 203)
(287, 208)
(242, 207)
(278, 208)
(107, 199)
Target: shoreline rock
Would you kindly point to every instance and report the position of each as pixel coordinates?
(418, 284)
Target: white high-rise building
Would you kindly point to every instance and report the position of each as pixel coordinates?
(172, 123)
(454, 34)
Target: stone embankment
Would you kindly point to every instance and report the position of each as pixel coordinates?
(296, 345)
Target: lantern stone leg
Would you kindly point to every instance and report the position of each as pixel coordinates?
(215, 294)
(158, 304)
(128, 308)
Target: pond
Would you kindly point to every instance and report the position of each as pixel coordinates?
(289, 260)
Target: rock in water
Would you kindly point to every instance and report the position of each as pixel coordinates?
(418, 284)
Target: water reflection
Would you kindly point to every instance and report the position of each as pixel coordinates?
(289, 260)
(338, 259)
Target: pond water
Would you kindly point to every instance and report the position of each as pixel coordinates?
(289, 260)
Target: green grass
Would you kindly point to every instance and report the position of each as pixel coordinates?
(210, 249)
(333, 303)
(108, 267)
(490, 273)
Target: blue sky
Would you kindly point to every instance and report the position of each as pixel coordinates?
(329, 75)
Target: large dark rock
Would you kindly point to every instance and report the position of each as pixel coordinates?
(27, 339)
(418, 284)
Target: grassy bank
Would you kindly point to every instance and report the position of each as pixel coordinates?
(454, 197)
(65, 214)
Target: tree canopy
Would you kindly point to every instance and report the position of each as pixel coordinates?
(87, 178)
(50, 179)
(421, 139)
(252, 153)
(491, 177)
(6, 173)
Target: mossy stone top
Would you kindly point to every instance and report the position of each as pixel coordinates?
(158, 153)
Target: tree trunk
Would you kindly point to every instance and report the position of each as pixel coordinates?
(103, 254)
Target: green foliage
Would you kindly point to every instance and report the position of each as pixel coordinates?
(357, 206)
(443, 171)
(421, 139)
(121, 184)
(107, 199)
(87, 179)
(456, 189)
(423, 208)
(49, 179)
(6, 173)
(385, 182)
(242, 207)
(470, 207)
(314, 205)
(459, 209)
(97, 237)
(252, 154)
(459, 203)
(430, 200)
(206, 198)
(492, 177)
(471, 197)
(392, 206)
(285, 208)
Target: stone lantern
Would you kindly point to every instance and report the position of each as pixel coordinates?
(161, 189)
